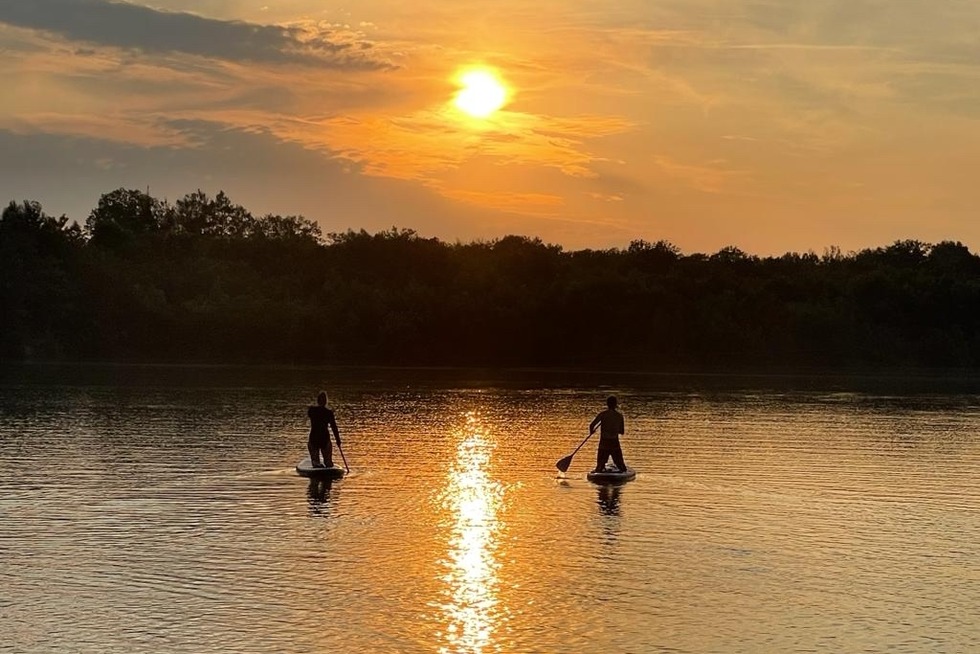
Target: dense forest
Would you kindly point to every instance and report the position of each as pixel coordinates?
(203, 280)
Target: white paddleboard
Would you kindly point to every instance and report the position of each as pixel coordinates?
(611, 475)
(307, 469)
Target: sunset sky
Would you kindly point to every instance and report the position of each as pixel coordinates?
(770, 125)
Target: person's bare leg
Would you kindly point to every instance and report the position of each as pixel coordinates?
(617, 456)
(314, 454)
(602, 455)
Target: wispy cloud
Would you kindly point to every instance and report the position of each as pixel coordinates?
(712, 177)
(522, 203)
(140, 28)
(432, 147)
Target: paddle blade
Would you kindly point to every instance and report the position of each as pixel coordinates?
(563, 464)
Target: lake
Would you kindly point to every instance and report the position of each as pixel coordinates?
(157, 509)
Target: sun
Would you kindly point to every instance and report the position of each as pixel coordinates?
(481, 93)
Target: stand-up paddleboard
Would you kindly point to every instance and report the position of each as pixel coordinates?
(307, 469)
(611, 475)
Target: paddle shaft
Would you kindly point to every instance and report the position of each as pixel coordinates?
(345, 458)
(581, 444)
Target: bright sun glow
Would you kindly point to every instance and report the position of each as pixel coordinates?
(482, 93)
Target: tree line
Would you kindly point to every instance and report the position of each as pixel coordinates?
(204, 280)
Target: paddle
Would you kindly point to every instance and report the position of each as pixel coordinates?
(342, 456)
(563, 464)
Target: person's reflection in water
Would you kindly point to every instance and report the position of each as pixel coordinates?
(318, 494)
(609, 500)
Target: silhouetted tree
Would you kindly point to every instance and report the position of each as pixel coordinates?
(123, 215)
(39, 294)
(203, 279)
(199, 215)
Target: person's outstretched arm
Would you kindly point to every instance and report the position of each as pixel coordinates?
(595, 423)
(333, 426)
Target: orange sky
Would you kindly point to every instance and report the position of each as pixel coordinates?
(769, 125)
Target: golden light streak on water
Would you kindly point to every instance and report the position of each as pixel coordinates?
(473, 499)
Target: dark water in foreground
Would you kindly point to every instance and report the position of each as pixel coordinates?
(157, 510)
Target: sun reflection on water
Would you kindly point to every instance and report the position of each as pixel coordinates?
(472, 499)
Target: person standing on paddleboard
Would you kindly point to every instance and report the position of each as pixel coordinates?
(611, 425)
(321, 422)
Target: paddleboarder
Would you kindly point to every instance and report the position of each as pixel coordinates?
(321, 422)
(611, 425)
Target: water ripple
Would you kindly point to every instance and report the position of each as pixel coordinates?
(169, 518)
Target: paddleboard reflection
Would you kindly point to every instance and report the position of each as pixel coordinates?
(318, 496)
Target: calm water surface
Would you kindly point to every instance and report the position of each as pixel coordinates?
(157, 510)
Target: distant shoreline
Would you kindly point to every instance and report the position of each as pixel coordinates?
(206, 282)
(918, 377)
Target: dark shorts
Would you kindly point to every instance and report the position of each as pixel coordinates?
(609, 447)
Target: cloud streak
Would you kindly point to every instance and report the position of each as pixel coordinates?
(140, 28)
